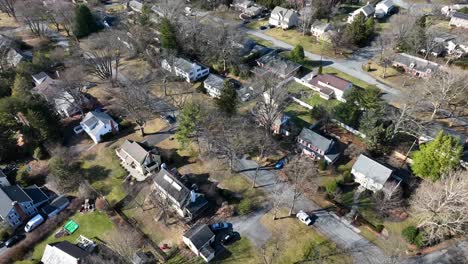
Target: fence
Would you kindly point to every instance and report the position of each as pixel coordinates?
(348, 128)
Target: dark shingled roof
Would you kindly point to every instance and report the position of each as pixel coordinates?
(36, 194)
(70, 249)
(15, 193)
(316, 139)
(56, 203)
(460, 15)
(199, 234)
(169, 183)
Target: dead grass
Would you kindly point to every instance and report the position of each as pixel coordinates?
(155, 125)
(7, 22)
(393, 77)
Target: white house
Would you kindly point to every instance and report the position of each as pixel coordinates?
(318, 30)
(450, 9)
(135, 5)
(368, 10)
(327, 85)
(199, 239)
(190, 71)
(370, 174)
(96, 124)
(384, 8)
(214, 84)
(459, 20)
(63, 252)
(138, 159)
(284, 18)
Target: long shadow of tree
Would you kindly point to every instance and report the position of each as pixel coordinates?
(98, 173)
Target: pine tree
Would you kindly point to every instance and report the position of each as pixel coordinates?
(320, 69)
(227, 102)
(297, 54)
(360, 30)
(84, 23)
(168, 35)
(437, 157)
(188, 120)
(21, 86)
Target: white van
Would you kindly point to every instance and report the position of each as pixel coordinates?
(33, 223)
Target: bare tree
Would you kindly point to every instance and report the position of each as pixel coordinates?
(444, 87)
(403, 118)
(8, 7)
(125, 241)
(70, 88)
(441, 207)
(402, 26)
(161, 202)
(269, 253)
(34, 14)
(430, 42)
(385, 201)
(106, 50)
(278, 199)
(307, 18)
(301, 172)
(60, 13)
(220, 47)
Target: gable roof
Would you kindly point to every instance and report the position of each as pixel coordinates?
(418, 63)
(316, 139)
(63, 252)
(10, 194)
(93, 118)
(215, 81)
(331, 80)
(367, 10)
(283, 12)
(55, 204)
(372, 169)
(322, 26)
(460, 15)
(278, 64)
(172, 186)
(199, 235)
(135, 150)
(40, 77)
(36, 194)
(386, 3)
(184, 64)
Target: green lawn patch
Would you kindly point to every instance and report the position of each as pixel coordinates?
(300, 115)
(94, 224)
(316, 100)
(104, 172)
(355, 81)
(240, 251)
(257, 24)
(260, 41)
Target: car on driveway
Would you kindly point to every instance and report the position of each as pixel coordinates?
(13, 240)
(263, 27)
(280, 163)
(220, 226)
(304, 217)
(78, 129)
(229, 238)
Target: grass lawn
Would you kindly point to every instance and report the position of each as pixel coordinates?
(241, 251)
(104, 172)
(355, 81)
(315, 100)
(300, 115)
(392, 76)
(294, 38)
(260, 41)
(257, 24)
(94, 224)
(298, 241)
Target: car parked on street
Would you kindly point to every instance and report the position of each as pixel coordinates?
(220, 226)
(304, 217)
(33, 223)
(14, 239)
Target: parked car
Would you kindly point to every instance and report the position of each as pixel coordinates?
(78, 129)
(220, 226)
(304, 217)
(14, 239)
(33, 223)
(263, 27)
(229, 238)
(168, 118)
(280, 164)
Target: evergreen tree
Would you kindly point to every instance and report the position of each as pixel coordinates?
(297, 54)
(84, 23)
(65, 172)
(168, 35)
(189, 117)
(347, 113)
(320, 69)
(437, 157)
(227, 102)
(360, 30)
(377, 135)
(21, 87)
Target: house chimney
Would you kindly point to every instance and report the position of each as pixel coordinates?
(20, 211)
(193, 196)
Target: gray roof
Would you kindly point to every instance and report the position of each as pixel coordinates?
(320, 25)
(418, 63)
(169, 183)
(278, 64)
(94, 117)
(56, 203)
(36, 194)
(286, 13)
(372, 169)
(9, 194)
(368, 9)
(135, 150)
(52, 254)
(387, 3)
(316, 139)
(460, 15)
(199, 234)
(183, 64)
(215, 81)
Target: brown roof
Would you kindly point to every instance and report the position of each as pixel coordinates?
(331, 80)
(48, 87)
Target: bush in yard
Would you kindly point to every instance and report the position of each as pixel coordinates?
(347, 177)
(244, 207)
(420, 239)
(331, 186)
(108, 136)
(379, 228)
(322, 164)
(39, 153)
(5, 232)
(22, 176)
(410, 233)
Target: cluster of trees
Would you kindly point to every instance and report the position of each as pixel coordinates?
(361, 30)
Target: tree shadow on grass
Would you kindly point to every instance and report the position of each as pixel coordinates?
(96, 173)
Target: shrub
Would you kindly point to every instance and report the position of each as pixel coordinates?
(331, 186)
(108, 136)
(410, 233)
(322, 164)
(379, 228)
(347, 177)
(244, 207)
(419, 239)
(39, 153)
(125, 124)
(5, 233)
(200, 88)
(22, 176)
(235, 70)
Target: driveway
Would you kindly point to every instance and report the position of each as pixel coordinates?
(329, 225)
(156, 138)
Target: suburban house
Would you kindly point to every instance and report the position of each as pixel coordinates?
(96, 124)
(63, 101)
(317, 146)
(138, 159)
(372, 175)
(18, 204)
(199, 239)
(320, 30)
(11, 54)
(282, 125)
(247, 7)
(56, 206)
(384, 8)
(368, 10)
(214, 84)
(327, 85)
(415, 66)
(457, 46)
(283, 18)
(187, 203)
(459, 20)
(3, 179)
(276, 64)
(141, 257)
(190, 71)
(63, 252)
(248, 47)
(135, 5)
